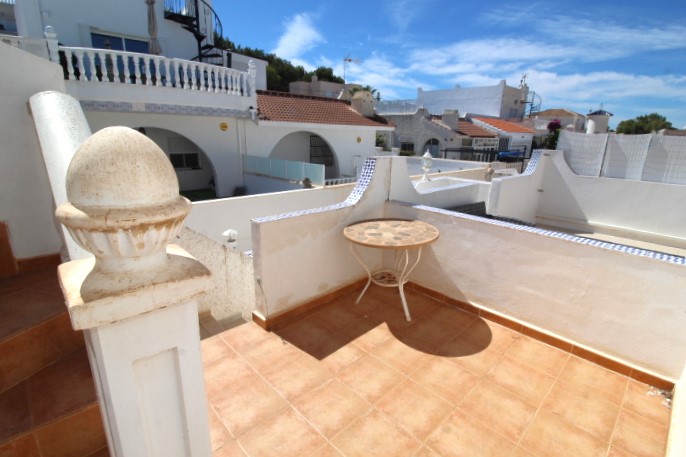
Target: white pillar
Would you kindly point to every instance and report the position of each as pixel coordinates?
(136, 300)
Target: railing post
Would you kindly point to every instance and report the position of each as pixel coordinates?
(136, 300)
(53, 45)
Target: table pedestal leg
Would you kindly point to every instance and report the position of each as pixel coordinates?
(400, 275)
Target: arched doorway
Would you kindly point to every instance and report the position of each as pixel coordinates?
(192, 166)
(307, 147)
(433, 147)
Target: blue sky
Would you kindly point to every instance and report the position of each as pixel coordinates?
(629, 55)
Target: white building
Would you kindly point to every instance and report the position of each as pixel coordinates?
(501, 100)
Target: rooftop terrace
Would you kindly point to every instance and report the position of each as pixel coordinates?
(353, 380)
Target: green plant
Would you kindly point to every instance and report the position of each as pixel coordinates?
(407, 153)
(380, 140)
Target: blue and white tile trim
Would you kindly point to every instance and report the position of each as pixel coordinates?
(670, 258)
(161, 108)
(353, 198)
(533, 162)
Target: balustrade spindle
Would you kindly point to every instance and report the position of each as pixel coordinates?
(191, 76)
(137, 70)
(115, 68)
(68, 55)
(146, 70)
(127, 71)
(168, 73)
(79, 62)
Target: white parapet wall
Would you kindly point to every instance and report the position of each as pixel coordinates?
(25, 203)
(622, 304)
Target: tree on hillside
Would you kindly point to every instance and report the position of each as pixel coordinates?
(644, 124)
(280, 72)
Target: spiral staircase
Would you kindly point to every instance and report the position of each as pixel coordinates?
(200, 19)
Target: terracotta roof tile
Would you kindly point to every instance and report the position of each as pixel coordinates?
(505, 126)
(285, 107)
(467, 128)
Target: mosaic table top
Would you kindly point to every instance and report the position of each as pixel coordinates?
(391, 233)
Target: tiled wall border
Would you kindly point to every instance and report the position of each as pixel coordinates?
(353, 198)
(661, 256)
(162, 108)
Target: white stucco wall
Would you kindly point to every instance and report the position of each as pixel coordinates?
(646, 209)
(213, 217)
(25, 203)
(264, 138)
(221, 147)
(73, 21)
(626, 306)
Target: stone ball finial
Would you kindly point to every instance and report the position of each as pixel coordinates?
(119, 167)
(124, 200)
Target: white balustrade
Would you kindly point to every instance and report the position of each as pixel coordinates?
(121, 67)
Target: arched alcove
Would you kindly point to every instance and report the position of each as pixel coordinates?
(193, 167)
(307, 147)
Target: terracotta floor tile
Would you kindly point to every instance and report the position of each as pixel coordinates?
(503, 411)
(214, 348)
(580, 375)
(296, 376)
(285, 434)
(482, 333)
(521, 452)
(331, 407)
(229, 449)
(589, 412)
(639, 436)
(551, 435)
(242, 406)
(477, 359)
(463, 436)
(219, 434)
(77, 434)
(446, 379)
(308, 335)
(646, 401)
(415, 408)
(370, 377)
(269, 352)
(617, 452)
(426, 336)
(335, 315)
(75, 389)
(366, 334)
(15, 417)
(24, 446)
(452, 319)
(373, 435)
(327, 451)
(520, 379)
(227, 372)
(538, 355)
(339, 354)
(245, 336)
(400, 356)
(425, 452)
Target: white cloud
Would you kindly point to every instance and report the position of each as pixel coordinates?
(403, 12)
(300, 37)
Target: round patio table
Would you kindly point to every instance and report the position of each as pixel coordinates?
(405, 237)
